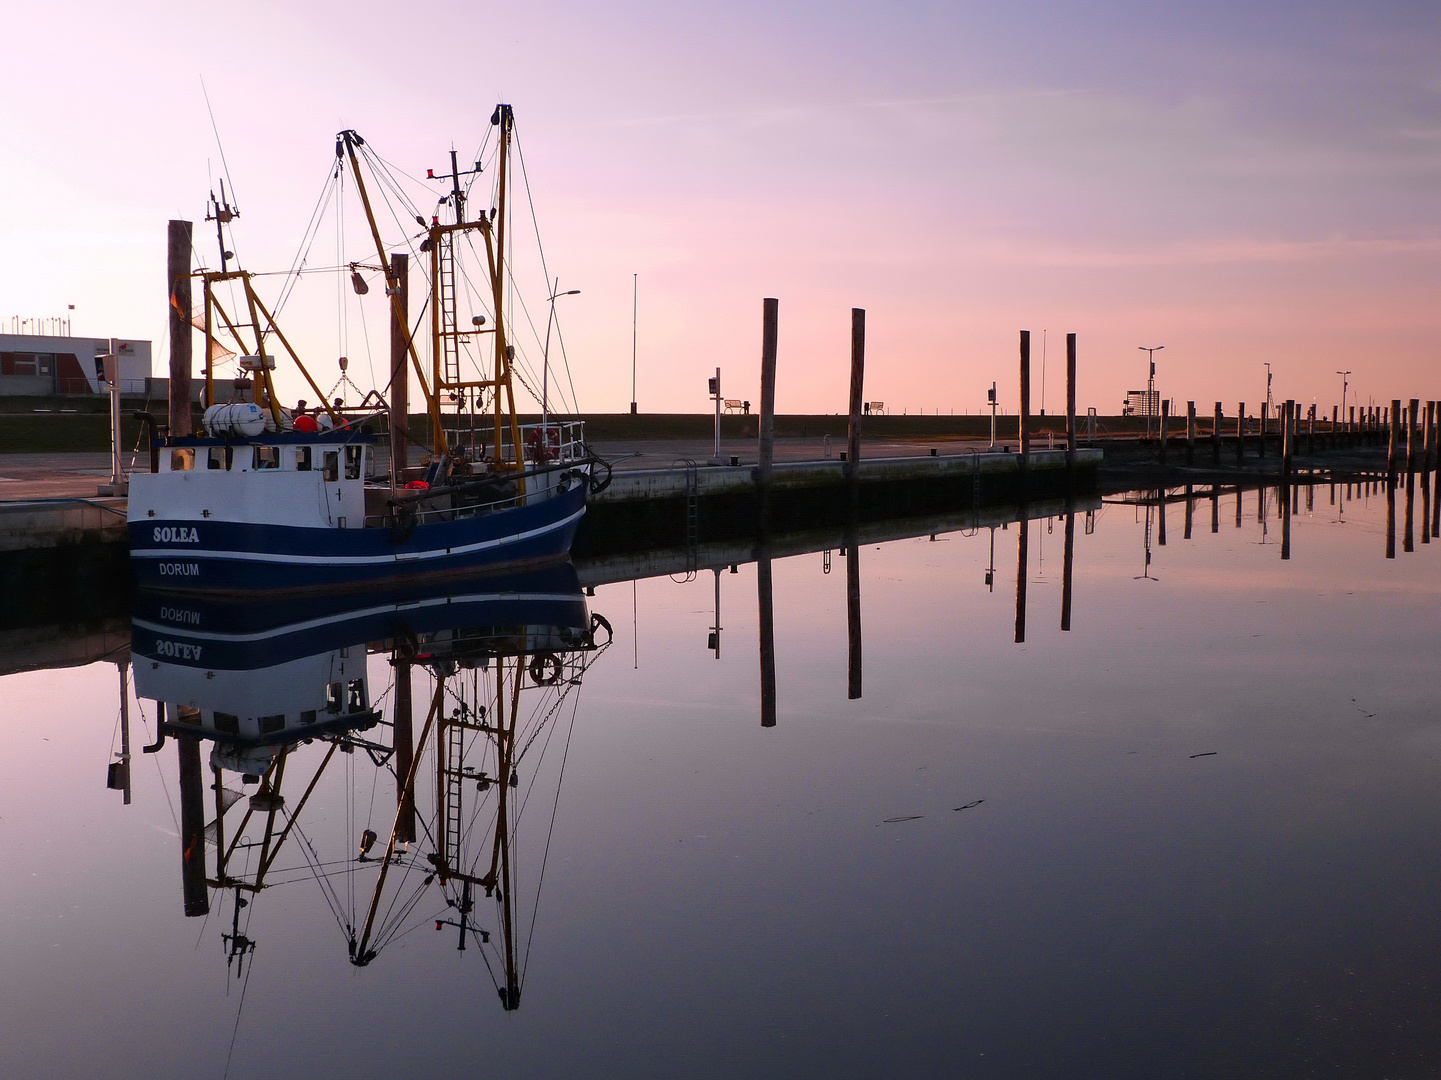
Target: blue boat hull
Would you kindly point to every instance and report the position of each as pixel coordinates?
(231, 558)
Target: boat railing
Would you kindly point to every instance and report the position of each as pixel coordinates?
(555, 441)
(533, 493)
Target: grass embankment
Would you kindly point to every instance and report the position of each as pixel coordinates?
(25, 428)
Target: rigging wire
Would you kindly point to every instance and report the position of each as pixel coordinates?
(554, 812)
(220, 146)
(540, 248)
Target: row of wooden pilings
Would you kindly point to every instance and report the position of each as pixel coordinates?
(1412, 433)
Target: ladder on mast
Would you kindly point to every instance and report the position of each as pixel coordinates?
(446, 307)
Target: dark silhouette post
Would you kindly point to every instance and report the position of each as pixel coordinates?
(1165, 423)
(1070, 406)
(399, 379)
(1023, 422)
(1190, 433)
(1288, 436)
(178, 273)
(1391, 436)
(1216, 437)
(1215, 510)
(769, 323)
(1240, 431)
(1412, 409)
(1190, 511)
(858, 370)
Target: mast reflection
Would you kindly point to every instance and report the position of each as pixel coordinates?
(493, 659)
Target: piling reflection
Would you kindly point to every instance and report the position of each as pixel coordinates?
(853, 618)
(765, 602)
(281, 693)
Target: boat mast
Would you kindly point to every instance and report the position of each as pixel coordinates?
(346, 144)
(504, 117)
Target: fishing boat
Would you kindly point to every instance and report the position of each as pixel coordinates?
(268, 500)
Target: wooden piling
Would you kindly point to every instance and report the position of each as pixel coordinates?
(1165, 423)
(1161, 518)
(1288, 428)
(1190, 433)
(1190, 511)
(770, 318)
(1261, 442)
(1240, 431)
(1216, 437)
(858, 364)
(178, 274)
(1024, 419)
(1413, 407)
(400, 391)
(1215, 510)
(1070, 406)
(1426, 436)
(1311, 430)
(1391, 437)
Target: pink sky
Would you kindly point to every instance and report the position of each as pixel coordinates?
(1239, 187)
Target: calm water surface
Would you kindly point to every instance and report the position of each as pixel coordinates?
(1193, 836)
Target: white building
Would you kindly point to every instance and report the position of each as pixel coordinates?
(38, 365)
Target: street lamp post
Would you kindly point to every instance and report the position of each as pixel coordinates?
(1150, 351)
(545, 363)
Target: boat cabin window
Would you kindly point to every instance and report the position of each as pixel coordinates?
(302, 459)
(307, 716)
(334, 692)
(330, 464)
(269, 725)
(266, 457)
(219, 457)
(227, 723)
(182, 460)
(353, 456)
(356, 701)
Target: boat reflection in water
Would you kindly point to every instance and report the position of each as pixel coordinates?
(277, 690)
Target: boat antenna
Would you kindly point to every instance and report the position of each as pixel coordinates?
(222, 213)
(223, 206)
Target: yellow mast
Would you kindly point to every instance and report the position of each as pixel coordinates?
(432, 399)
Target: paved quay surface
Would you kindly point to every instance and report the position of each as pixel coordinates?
(80, 475)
